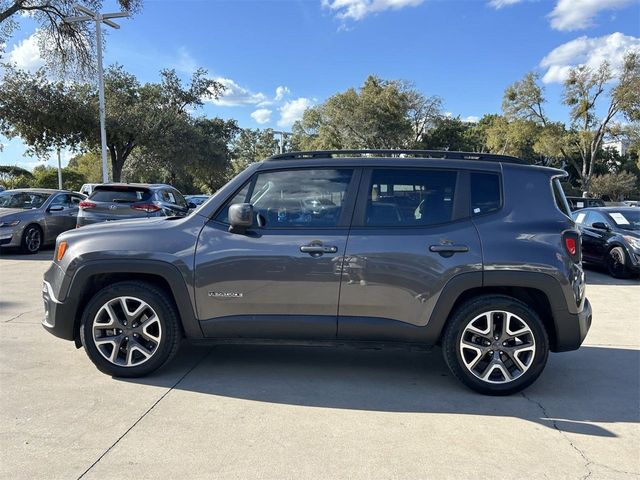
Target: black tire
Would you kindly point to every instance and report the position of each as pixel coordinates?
(32, 239)
(617, 263)
(475, 307)
(157, 299)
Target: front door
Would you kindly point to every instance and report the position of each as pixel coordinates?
(282, 278)
(411, 234)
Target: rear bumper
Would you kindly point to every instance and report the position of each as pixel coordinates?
(571, 328)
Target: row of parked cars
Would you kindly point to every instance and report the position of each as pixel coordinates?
(31, 218)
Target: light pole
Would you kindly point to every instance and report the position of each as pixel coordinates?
(99, 18)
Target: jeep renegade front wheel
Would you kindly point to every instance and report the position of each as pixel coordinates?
(495, 345)
(130, 329)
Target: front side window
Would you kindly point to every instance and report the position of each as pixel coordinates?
(62, 200)
(294, 198)
(407, 197)
(300, 198)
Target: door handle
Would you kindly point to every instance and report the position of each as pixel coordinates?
(318, 250)
(449, 249)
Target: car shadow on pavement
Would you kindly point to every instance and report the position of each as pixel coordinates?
(597, 275)
(14, 253)
(577, 391)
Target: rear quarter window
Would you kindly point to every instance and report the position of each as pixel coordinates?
(486, 195)
(559, 197)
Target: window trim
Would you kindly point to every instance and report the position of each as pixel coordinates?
(346, 216)
(461, 196)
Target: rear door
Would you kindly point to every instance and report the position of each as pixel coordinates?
(118, 202)
(280, 279)
(411, 234)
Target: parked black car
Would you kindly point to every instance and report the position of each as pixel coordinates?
(474, 252)
(576, 203)
(611, 237)
(120, 201)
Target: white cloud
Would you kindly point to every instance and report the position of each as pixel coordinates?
(471, 119)
(358, 9)
(292, 110)
(26, 54)
(261, 115)
(235, 95)
(185, 62)
(281, 91)
(587, 51)
(498, 4)
(579, 14)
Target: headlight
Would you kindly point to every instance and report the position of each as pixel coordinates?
(9, 223)
(633, 241)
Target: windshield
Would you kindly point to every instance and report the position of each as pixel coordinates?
(24, 200)
(628, 220)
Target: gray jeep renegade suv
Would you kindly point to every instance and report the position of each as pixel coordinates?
(474, 252)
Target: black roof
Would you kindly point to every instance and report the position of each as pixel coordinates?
(388, 153)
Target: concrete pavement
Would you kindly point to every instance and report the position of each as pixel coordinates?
(284, 412)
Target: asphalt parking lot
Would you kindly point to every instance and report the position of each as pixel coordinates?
(283, 412)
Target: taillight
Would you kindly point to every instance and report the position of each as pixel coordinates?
(86, 204)
(571, 242)
(146, 207)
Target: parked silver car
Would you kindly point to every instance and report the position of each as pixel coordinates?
(33, 217)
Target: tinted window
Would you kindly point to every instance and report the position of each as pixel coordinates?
(120, 195)
(300, 198)
(485, 193)
(25, 200)
(410, 197)
(240, 197)
(64, 200)
(559, 197)
(168, 196)
(179, 199)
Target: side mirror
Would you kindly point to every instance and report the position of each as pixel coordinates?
(240, 217)
(56, 208)
(192, 205)
(601, 226)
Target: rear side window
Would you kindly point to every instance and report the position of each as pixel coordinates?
(120, 195)
(485, 193)
(409, 198)
(559, 197)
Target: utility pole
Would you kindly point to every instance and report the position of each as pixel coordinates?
(59, 171)
(283, 136)
(99, 18)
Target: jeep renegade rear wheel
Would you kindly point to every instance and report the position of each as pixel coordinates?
(130, 329)
(496, 345)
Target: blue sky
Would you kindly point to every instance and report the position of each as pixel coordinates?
(278, 57)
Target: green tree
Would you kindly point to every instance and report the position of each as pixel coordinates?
(12, 176)
(252, 145)
(48, 114)
(88, 164)
(451, 133)
(62, 45)
(381, 114)
(615, 186)
(47, 177)
(586, 91)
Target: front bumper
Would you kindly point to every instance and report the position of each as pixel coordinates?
(59, 317)
(571, 328)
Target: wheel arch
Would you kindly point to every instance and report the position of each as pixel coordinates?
(541, 292)
(93, 276)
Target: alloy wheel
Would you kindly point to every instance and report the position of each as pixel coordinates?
(33, 239)
(497, 346)
(127, 331)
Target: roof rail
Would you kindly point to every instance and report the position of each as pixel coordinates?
(436, 154)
